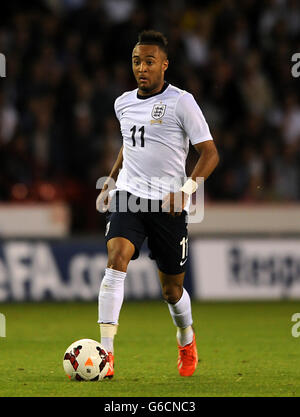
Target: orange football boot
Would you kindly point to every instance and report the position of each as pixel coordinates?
(110, 372)
(187, 358)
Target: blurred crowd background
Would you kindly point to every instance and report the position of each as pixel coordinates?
(68, 60)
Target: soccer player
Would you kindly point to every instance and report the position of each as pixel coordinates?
(157, 121)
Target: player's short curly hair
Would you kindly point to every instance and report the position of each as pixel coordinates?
(152, 37)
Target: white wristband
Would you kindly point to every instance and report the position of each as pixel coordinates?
(189, 187)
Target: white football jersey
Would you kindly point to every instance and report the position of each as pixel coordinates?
(156, 131)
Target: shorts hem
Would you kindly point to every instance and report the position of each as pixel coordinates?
(136, 253)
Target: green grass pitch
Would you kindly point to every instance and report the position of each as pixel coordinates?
(245, 349)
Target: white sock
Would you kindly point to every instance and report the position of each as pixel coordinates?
(110, 301)
(181, 313)
(185, 335)
(107, 333)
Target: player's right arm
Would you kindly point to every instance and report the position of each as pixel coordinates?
(102, 202)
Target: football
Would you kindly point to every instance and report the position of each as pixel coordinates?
(86, 360)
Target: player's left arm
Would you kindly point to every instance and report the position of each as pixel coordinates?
(190, 118)
(207, 162)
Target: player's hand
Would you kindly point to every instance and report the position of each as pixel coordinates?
(103, 200)
(174, 203)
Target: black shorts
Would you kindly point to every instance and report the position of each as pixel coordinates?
(167, 235)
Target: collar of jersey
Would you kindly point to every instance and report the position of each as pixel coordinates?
(165, 86)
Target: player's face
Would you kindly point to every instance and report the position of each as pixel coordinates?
(149, 64)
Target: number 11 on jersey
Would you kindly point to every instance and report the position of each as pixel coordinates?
(142, 130)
